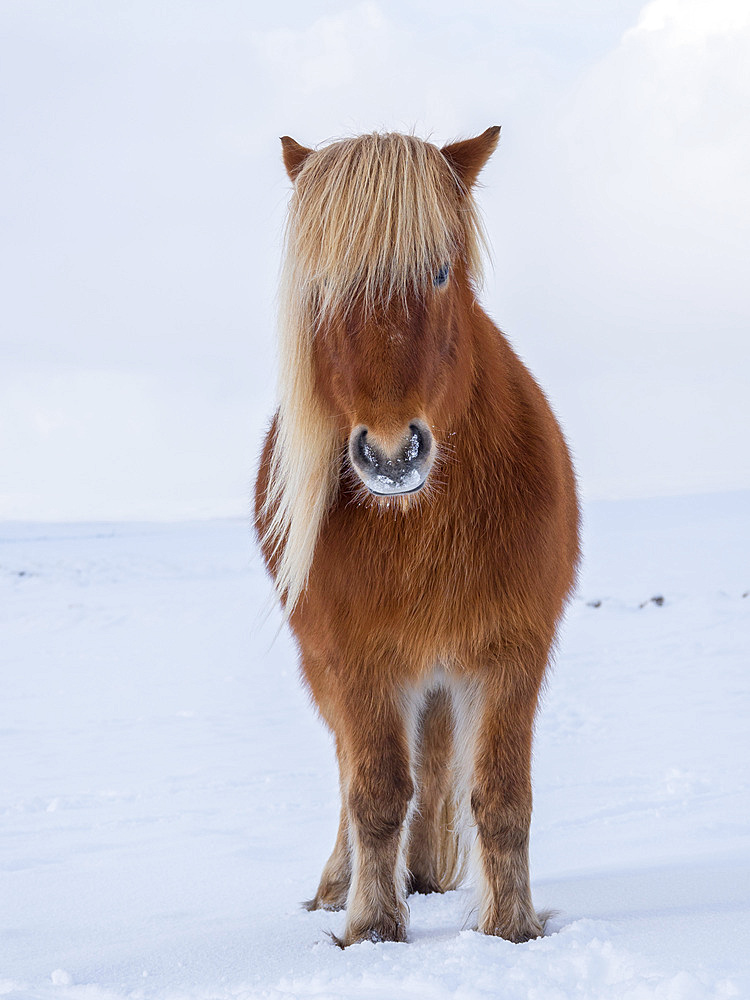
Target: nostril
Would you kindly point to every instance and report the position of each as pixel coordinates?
(363, 449)
(415, 443)
(419, 442)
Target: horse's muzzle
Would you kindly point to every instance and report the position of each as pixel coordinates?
(392, 471)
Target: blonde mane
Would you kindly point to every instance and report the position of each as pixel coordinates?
(371, 219)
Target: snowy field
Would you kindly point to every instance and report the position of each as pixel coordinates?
(168, 796)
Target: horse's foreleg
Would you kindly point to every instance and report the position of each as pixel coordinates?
(501, 804)
(337, 873)
(334, 882)
(379, 790)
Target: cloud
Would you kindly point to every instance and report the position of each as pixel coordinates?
(690, 22)
(622, 267)
(663, 113)
(330, 53)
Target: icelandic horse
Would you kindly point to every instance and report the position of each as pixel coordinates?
(416, 507)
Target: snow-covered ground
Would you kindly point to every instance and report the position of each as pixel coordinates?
(168, 796)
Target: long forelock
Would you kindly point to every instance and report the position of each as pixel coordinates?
(371, 219)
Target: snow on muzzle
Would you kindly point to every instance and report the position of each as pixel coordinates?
(392, 471)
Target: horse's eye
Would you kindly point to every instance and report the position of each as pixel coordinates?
(442, 276)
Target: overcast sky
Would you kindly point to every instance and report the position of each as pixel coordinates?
(142, 198)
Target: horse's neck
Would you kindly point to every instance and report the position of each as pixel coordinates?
(488, 409)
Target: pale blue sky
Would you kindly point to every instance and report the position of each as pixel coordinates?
(143, 197)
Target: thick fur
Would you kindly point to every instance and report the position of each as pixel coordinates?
(425, 623)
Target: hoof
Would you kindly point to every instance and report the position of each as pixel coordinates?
(316, 904)
(384, 930)
(517, 933)
(333, 897)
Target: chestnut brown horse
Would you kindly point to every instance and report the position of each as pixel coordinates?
(416, 507)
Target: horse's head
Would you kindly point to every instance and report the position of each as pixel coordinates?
(382, 249)
(383, 246)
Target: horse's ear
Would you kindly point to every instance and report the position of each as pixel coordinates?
(294, 156)
(469, 156)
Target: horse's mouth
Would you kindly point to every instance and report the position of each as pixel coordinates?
(380, 485)
(396, 493)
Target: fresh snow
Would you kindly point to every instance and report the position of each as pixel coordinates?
(168, 795)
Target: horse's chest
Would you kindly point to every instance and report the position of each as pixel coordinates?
(444, 566)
